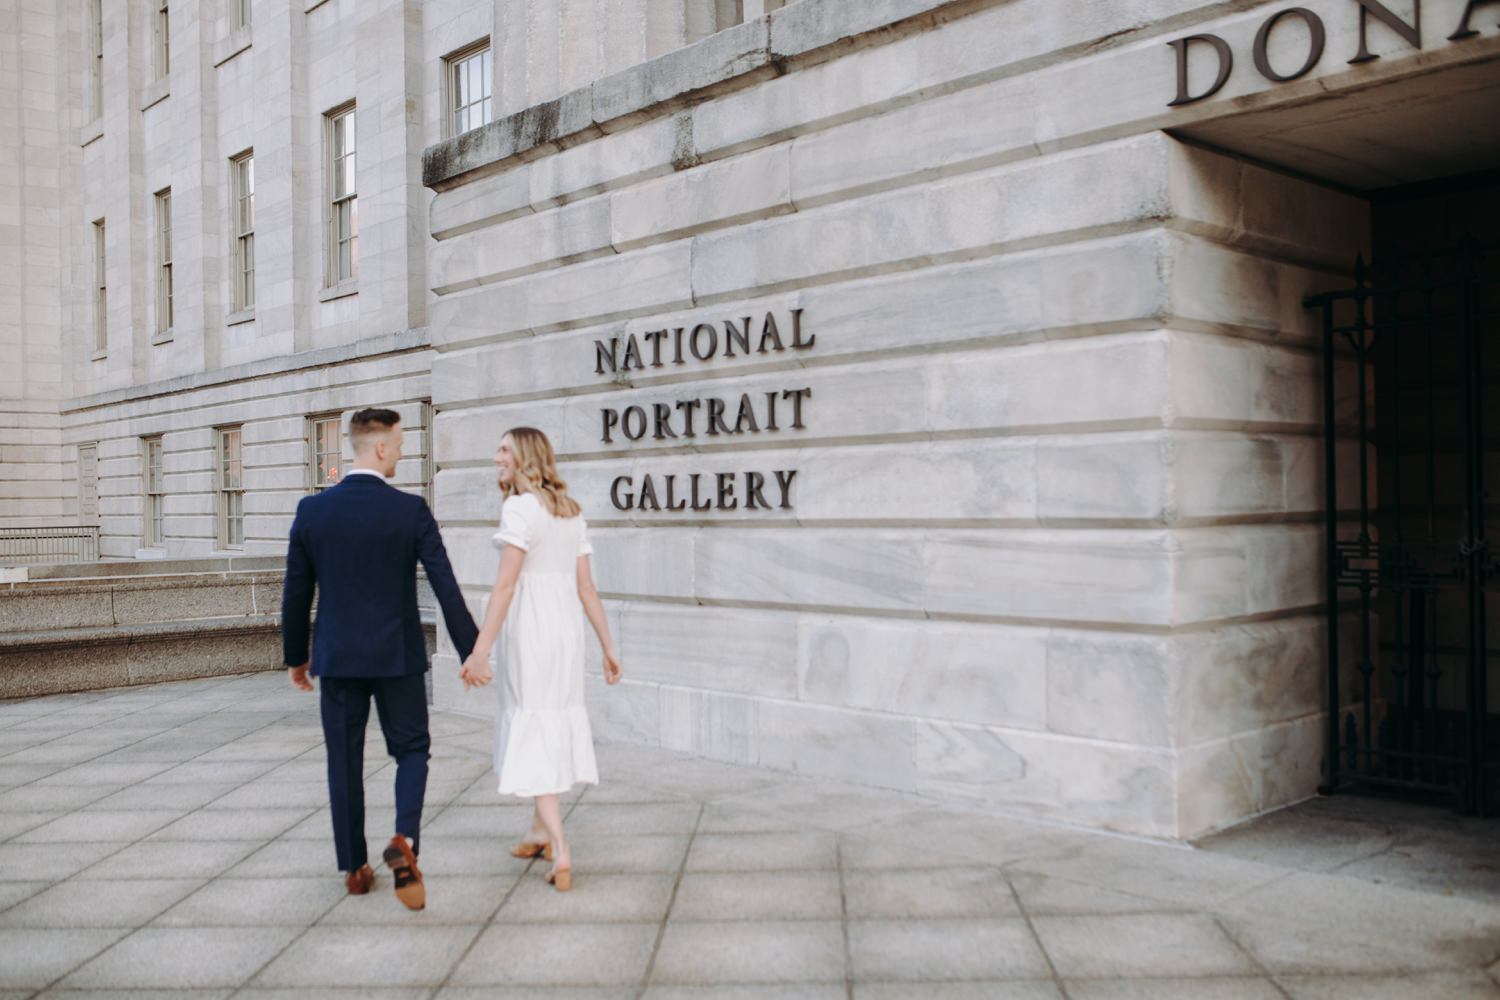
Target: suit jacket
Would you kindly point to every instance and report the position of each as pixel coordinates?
(359, 542)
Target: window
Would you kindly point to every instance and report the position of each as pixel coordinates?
(343, 205)
(164, 261)
(231, 489)
(96, 65)
(101, 292)
(162, 59)
(239, 14)
(469, 75)
(88, 484)
(243, 225)
(153, 531)
(326, 458)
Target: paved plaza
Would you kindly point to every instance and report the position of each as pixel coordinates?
(174, 840)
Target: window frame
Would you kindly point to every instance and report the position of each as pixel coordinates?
(164, 287)
(229, 507)
(316, 453)
(154, 493)
(101, 289)
(96, 64)
(242, 228)
(452, 63)
(333, 162)
(161, 53)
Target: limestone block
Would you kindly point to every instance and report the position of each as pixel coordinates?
(971, 214)
(1111, 686)
(611, 161)
(656, 278)
(1104, 476)
(1110, 787)
(1251, 206)
(1230, 571)
(1051, 576)
(1221, 783)
(719, 726)
(481, 202)
(988, 674)
(628, 712)
(814, 740)
(719, 649)
(1231, 381)
(519, 246)
(1242, 678)
(974, 128)
(642, 561)
(1098, 576)
(721, 56)
(710, 196)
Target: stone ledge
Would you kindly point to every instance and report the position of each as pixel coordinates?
(401, 342)
(617, 101)
(137, 632)
(152, 567)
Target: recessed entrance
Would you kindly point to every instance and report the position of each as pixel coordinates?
(1410, 558)
(1412, 424)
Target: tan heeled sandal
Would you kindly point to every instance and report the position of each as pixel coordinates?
(526, 849)
(561, 879)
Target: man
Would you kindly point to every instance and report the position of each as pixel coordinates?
(360, 543)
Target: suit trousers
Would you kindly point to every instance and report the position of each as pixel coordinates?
(401, 704)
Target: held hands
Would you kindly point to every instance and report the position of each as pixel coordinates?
(299, 678)
(476, 670)
(612, 668)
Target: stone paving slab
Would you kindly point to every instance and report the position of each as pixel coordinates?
(173, 841)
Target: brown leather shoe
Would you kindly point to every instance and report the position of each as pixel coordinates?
(359, 881)
(408, 877)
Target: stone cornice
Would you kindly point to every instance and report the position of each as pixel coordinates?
(730, 58)
(401, 342)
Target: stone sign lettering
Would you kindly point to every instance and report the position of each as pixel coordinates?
(760, 412)
(1314, 37)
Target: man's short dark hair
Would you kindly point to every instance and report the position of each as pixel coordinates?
(371, 420)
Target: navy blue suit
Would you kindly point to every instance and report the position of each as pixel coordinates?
(359, 543)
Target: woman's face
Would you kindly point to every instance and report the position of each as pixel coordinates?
(505, 462)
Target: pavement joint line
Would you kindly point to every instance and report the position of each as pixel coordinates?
(173, 767)
(105, 722)
(318, 921)
(139, 927)
(1035, 937)
(1259, 966)
(838, 860)
(504, 898)
(661, 930)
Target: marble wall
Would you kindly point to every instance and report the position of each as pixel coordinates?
(1054, 541)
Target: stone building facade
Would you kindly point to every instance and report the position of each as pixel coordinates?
(935, 373)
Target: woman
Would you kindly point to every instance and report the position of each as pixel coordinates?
(543, 745)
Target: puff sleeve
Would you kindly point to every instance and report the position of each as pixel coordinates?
(518, 524)
(585, 546)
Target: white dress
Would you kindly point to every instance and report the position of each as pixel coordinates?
(543, 744)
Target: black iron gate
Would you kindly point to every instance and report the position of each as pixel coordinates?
(1411, 572)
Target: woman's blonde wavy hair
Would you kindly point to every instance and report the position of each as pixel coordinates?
(535, 471)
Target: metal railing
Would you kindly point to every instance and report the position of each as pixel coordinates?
(50, 544)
